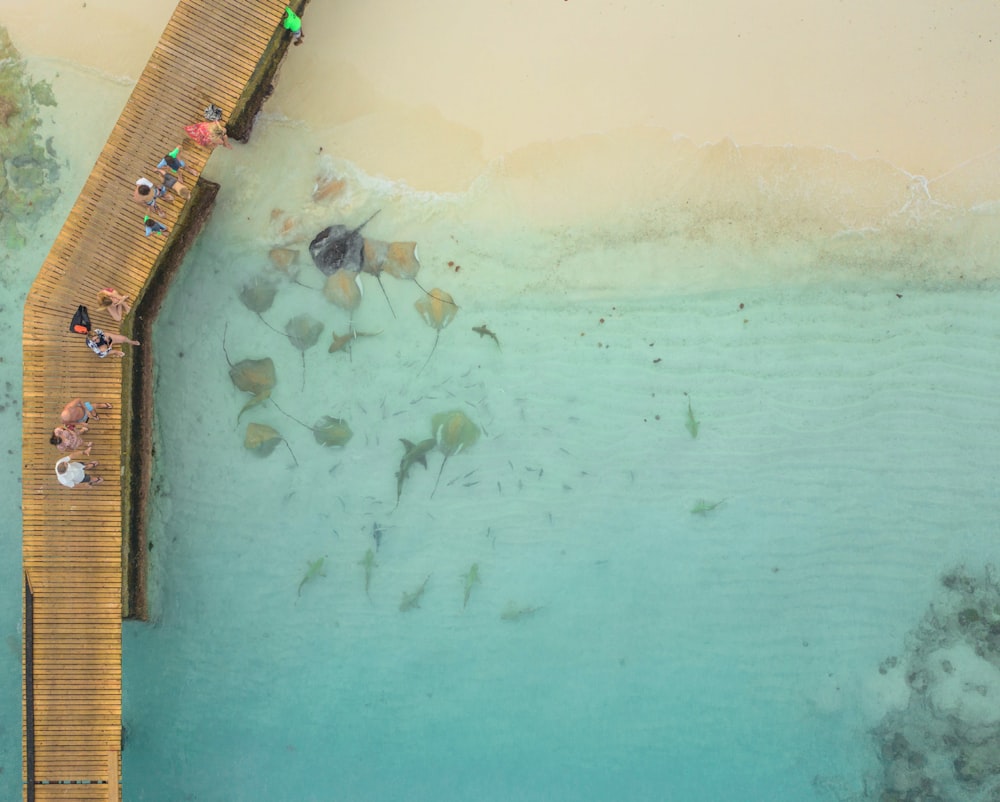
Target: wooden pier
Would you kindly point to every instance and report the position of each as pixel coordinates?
(84, 548)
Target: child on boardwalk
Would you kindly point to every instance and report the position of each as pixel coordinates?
(172, 161)
(152, 227)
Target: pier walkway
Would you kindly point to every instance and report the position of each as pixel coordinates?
(76, 559)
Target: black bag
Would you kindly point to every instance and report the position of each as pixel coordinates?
(81, 321)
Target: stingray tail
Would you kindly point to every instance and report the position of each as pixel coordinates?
(290, 417)
(379, 280)
(438, 480)
(224, 331)
(433, 347)
(430, 294)
(272, 328)
(367, 221)
(290, 452)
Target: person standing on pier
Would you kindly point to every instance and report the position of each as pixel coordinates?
(70, 440)
(73, 474)
(293, 23)
(209, 134)
(79, 411)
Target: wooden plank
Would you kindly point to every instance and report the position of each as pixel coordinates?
(72, 539)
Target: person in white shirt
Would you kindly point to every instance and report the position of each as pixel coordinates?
(74, 474)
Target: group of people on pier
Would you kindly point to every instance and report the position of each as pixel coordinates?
(68, 436)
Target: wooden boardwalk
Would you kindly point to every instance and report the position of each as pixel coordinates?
(210, 52)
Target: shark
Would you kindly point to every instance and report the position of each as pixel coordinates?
(415, 453)
(368, 561)
(515, 613)
(484, 331)
(343, 342)
(314, 570)
(412, 599)
(691, 424)
(471, 578)
(703, 507)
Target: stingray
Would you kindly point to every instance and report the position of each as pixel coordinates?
(327, 186)
(338, 248)
(330, 431)
(283, 259)
(262, 440)
(303, 331)
(257, 296)
(343, 288)
(398, 259)
(255, 376)
(453, 432)
(438, 310)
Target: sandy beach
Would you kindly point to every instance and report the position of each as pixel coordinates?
(429, 94)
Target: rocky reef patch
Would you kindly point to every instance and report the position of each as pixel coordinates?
(943, 744)
(29, 171)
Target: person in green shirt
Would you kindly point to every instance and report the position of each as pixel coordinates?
(293, 23)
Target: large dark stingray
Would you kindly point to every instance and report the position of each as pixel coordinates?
(338, 248)
(255, 376)
(303, 331)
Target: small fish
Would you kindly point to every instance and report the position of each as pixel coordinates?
(343, 342)
(377, 535)
(415, 453)
(515, 613)
(471, 578)
(702, 507)
(483, 331)
(314, 570)
(691, 424)
(369, 564)
(412, 599)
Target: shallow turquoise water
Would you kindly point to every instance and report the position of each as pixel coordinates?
(846, 430)
(847, 425)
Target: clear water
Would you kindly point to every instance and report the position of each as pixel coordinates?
(832, 326)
